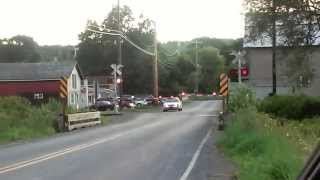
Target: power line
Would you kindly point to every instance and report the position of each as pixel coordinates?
(124, 37)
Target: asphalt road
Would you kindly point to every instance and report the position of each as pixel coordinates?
(151, 146)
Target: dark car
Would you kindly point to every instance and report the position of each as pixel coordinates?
(151, 100)
(103, 104)
(125, 102)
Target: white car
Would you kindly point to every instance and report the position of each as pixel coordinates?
(139, 102)
(171, 104)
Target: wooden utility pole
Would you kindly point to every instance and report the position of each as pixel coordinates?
(155, 67)
(119, 47)
(274, 44)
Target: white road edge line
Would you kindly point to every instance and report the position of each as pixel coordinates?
(75, 148)
(195, 157)
(210, 115)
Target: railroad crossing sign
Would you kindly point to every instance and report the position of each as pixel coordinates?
(224, 85)
(239, 56)
(116, 69)
(63, 89)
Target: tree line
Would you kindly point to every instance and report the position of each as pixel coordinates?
(96, 52)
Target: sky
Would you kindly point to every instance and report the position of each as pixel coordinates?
(59, 22)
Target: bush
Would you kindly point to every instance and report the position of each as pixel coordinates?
(260, 155)
(291, 107)
(242, 97)
(20, 120)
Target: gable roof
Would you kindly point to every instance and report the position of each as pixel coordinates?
(36, 71)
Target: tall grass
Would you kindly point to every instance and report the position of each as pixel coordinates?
(19, 120)
(259, 153)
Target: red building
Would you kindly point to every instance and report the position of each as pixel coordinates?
(36, 81)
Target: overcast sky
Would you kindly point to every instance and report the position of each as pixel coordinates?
(52, 22)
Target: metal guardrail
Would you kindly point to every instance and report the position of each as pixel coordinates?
(80, 120)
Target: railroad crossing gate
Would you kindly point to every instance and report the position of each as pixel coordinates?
(63, 90)
(224, 85)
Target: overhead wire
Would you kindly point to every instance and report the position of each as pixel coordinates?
(124, 37)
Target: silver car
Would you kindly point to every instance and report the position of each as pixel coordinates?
(172, 104)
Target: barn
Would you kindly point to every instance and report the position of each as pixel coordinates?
(41, 81)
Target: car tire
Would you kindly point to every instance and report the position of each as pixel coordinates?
(165, 110)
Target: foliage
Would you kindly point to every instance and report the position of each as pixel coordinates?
(97, 52)
(297, 23)
(299, 20)
(19, 49)
(259, 153)
(291, 107)
(20, 120)
(56, 53)
(241, 97)
(176, 59)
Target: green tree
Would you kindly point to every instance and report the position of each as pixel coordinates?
(290, 23)
(19, 49)
(212, 64)
(97, 51)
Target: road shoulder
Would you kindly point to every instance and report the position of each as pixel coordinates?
(212, 164)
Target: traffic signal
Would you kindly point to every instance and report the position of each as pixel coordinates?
(233, 74)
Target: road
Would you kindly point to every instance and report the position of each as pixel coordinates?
(151, 146)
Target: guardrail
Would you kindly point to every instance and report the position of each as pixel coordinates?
(80, 120)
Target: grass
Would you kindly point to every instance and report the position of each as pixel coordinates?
(19, 120)
(105, 120)
(261, 149)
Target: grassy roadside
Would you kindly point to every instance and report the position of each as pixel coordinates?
(260, 149)
(19, 120)
(267, 147)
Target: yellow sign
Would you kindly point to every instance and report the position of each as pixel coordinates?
(224, 85)
(63, 89)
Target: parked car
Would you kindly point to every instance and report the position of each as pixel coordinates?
(125, 102)
(103, 104)
(172, 104)
(140, 102)
(152, 100)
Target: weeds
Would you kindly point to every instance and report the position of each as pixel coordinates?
(259, 154)
(19, 120)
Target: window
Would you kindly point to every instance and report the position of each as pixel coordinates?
(74, 81)
(38, 96)
(72, 98)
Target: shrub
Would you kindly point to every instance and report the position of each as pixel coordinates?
(21, 120)
(241, 97)
(291, 107)
(260, 155)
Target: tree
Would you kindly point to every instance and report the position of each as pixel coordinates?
(290, 23)
(212, 64)
(19, 49)
(97, 51)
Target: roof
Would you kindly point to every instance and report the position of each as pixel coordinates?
(36, 71)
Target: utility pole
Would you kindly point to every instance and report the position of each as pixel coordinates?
(196, 90)
(239, 67)
(155, 65)
(274, 43)
(119, 48)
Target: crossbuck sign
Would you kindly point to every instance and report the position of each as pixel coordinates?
(116, 69)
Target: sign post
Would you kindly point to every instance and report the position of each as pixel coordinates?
(116, 71)
(224, 91)
(63, 93)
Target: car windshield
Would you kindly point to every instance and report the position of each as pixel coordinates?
(171, 100)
